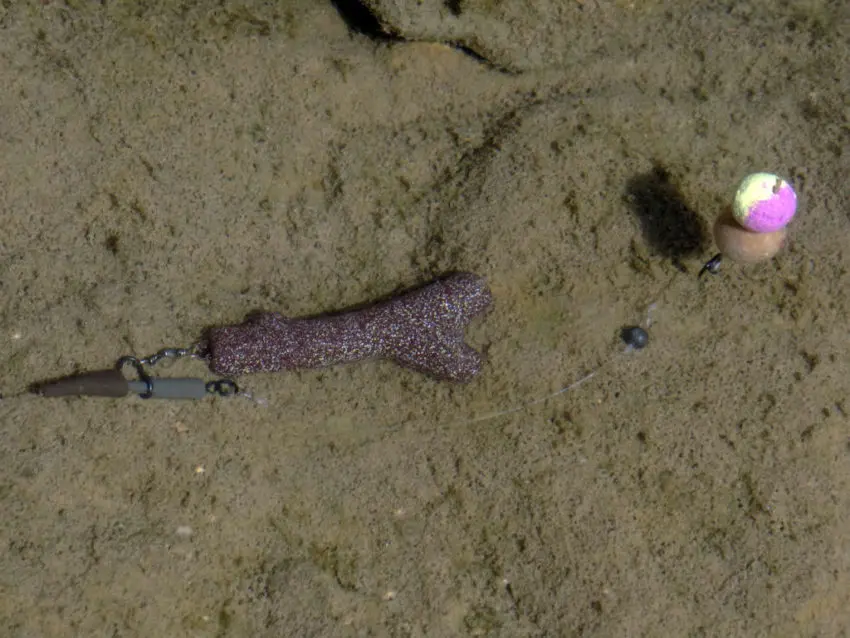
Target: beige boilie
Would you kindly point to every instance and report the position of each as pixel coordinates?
(745, 246)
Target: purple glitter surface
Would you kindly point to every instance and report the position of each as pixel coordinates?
(421, 330)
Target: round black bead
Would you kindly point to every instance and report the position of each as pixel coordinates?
(635, 336)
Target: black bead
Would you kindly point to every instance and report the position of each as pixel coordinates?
(635, 336)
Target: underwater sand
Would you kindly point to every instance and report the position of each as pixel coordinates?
(166, 167)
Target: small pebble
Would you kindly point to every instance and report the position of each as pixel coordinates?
(635, 337)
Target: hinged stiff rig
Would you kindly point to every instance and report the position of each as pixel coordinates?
(114, 382)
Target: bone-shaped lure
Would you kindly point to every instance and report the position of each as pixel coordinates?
(421, 330)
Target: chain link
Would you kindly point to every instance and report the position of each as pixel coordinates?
(220, 387)
(170, 353)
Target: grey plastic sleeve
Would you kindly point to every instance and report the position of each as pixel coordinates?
(170, 388)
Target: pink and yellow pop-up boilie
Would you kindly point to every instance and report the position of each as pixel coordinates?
(753, 230)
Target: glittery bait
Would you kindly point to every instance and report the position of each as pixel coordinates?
(421, 330)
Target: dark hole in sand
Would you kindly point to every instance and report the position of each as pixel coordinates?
(360, 19)
(454, 7)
